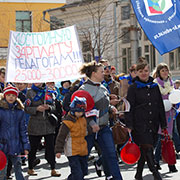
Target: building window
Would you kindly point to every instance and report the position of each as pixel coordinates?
(174, 60)
(125, 12)
(178, 59)
(139, 51)
(23, 21)
(146, 49)
(147, 57)
(153, 57)
(124, 52)
(56, 23)
(126, 59)
(171, 60)
(125, 35)
(150, 55)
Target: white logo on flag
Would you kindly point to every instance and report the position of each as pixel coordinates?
(157, 7)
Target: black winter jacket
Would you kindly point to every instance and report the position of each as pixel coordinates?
(146, 112)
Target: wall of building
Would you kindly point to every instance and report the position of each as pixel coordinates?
(8, 18)
(79, 16)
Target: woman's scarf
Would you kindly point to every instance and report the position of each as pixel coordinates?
(24, 91)
(165, 86)
(43, 93)
(106, 84)
(40, 92)
(81, 82)
(161, 82)
(64, 90)
(142, 85)
(129, 78)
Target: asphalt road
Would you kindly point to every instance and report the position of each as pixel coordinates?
(127, 171)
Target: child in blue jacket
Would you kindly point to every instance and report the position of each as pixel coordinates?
(13, 131)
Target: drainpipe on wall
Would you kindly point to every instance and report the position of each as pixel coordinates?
(44, 18)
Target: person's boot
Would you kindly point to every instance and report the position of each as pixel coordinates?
(151, 164)
(36, 162)
(55, 173)
(140, 166)
(98, 169)
(172, 168)
(31, 172)
(158, 167)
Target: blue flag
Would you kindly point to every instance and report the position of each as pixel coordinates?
(160, 20)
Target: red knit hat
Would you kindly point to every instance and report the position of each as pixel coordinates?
(10, 90)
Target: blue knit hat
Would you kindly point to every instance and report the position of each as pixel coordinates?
(78, 104)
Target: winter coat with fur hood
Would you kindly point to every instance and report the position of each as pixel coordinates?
(13, 130)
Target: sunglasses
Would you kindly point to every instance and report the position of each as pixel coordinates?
(107, 67)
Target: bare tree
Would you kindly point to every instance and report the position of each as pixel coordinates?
(99, 34)
(95, 24)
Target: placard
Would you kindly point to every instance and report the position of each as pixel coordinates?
(44, 56)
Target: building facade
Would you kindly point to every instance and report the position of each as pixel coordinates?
(24, 16)
(109, 23)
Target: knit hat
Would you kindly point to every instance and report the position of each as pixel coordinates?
(10, 90)
(78, 104)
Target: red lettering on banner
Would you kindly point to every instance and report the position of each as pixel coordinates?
(68, 70)
(28, 52)
(68, 46)
(43, 51)
(18, 72)
(51, 49)
(74, 69)
(38, 74)
(51, 74)
(18, 48)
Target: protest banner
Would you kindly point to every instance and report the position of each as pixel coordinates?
(44, 56)
(160, 20)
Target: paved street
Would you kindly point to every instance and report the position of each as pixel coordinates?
(127, 171)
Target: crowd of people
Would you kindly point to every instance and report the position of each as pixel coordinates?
(32, 112)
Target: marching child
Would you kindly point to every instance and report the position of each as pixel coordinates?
(13, 131)
(71, 139)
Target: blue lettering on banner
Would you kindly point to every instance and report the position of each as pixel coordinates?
(47, 62)
(160, 20)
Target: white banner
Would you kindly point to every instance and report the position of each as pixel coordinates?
(44, 56)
